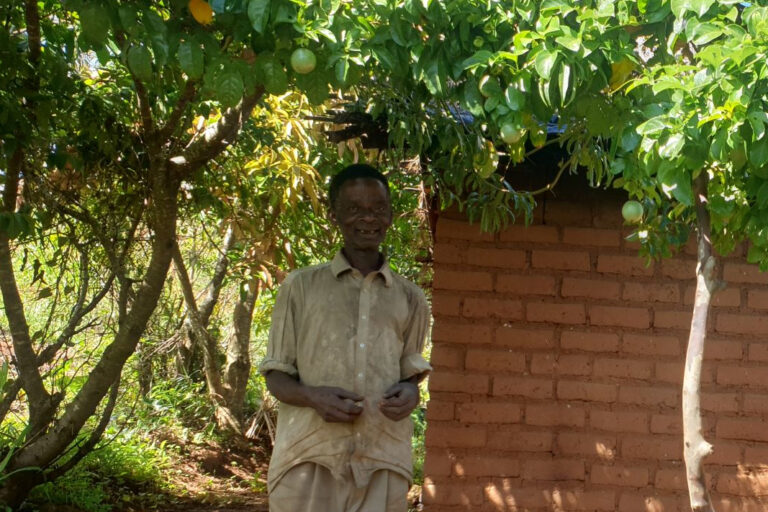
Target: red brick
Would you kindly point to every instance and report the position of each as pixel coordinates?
(743, 482)
(670, 373)
(444, 330)
(591, 236)
(652, 448)
(756, 456)
(653, 502)
(607, 214)
(619, 421)
(587, 391)
(534, 234)
(440, 410)
(638, 318)
(728, 298)
(456, 229)
(591, 445)
(590, 288)
(552, 415)
(679, 269)
(486, 465)
(563, 365)
(672, 319)
(463, 280)
(757, 299)
(623, 368)
(720, 402)
(751, 377)
(465, 436)
(555, 313)
(494, 257)
(748, 430)
(589, 341)
(624, 265)
(477, 307)
(672, 479)
(578, 499)
(758, 352)
(449, 253)
(527, 339)
(560, 469)
(649, 292)
(650, 345)
(719, 350)
(492, 412)
(649, 396)
(743, 273)
(625, 476)
(459, 383)
(520, 441)
(447, 356)
(508, 495)
(445, 304)
(525, 285)
(667, 424)
(491, 361)
(742, 324)
(438, 464)
(453, 493)
(759, 504)
(756, 403)
(522, 386)
(724, 453)
(561, 260)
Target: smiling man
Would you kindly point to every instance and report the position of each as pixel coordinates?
(344, 359)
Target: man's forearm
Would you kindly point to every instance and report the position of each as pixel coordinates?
(287, 389)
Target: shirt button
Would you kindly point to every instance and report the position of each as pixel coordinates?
(364, 317)
(362, 345)
(359, 375)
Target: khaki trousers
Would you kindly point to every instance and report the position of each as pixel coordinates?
(310, 487)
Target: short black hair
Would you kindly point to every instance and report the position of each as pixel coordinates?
(353, 172)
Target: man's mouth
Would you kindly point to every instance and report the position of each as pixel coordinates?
(368, 231)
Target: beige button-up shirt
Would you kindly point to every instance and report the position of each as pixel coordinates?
(333, 327)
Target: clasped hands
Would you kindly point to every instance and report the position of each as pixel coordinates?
(337, 405)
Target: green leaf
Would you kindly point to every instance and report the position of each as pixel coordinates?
(762, 195)
(435, 76)
(191, 59)
(480, 58)
(569, 42)
(544, 63)
(679, 7)
(564, 83)
(672, 146)
(473, 100)
(258, 14)
(128, 18)
(275, 77)
(655, 125)
(677, 182)
(94, 22)
(229, 88)
(758, 120)
(700, 7)
(705, 32)
(139, 62)
(758, 152)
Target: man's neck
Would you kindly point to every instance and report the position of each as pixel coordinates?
(364, 261)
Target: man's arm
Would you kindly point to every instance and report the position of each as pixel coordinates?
(333, 404)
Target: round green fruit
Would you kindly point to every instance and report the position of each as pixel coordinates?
(303, 61)
(632, 211)
(511, 132)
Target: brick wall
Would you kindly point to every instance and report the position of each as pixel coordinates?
(558, 359)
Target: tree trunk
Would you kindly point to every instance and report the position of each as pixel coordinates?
(696, 448)
(238, 365)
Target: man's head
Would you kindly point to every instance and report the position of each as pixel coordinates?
(360, 206)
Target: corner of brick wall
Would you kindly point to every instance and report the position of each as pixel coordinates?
(558, 357)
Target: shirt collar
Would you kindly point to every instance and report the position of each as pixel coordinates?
(339, 265)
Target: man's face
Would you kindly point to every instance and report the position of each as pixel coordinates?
(363, 213)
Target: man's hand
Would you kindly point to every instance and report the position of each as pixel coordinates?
(334, 405)
(399, 400)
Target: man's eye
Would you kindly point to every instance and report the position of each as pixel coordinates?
(353, 209)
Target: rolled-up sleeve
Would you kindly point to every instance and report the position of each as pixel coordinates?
(282, 343)
(412, 362)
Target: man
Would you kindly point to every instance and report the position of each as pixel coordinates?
(344, 358)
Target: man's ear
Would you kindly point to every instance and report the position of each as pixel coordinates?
(332, 215)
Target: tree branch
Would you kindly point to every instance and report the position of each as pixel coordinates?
(217, 137)
(32, 16)
(220, 271)
(173, 121)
